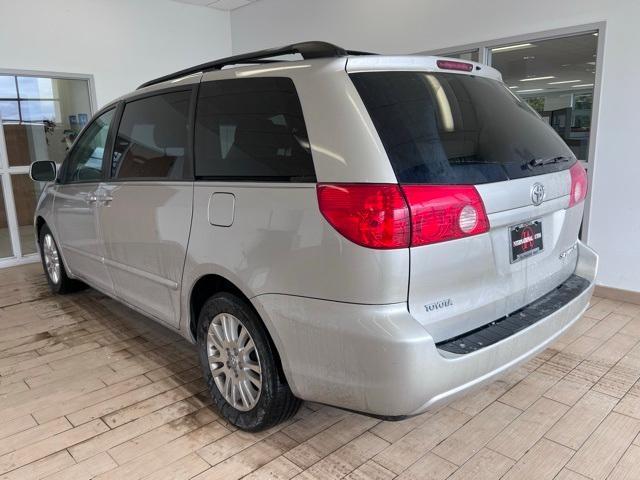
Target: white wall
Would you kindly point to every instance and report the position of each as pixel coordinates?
(403, 26)
(121, 42)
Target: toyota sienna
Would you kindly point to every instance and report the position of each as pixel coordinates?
(378, 233)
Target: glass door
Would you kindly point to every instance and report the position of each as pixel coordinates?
(40, 117)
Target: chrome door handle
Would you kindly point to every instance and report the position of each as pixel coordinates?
(92, 198)
(106, 199)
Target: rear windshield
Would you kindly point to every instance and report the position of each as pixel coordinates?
(447, 128)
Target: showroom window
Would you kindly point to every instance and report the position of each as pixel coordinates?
(556, 77)
(33, 99)
(40, 116)
(252, 129)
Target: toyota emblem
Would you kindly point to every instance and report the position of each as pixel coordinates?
(537, 193)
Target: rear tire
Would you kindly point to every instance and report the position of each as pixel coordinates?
(53, 265)
(240, 365)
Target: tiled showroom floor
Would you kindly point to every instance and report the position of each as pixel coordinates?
(90, 389)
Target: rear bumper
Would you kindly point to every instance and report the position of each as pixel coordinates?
(379, 360)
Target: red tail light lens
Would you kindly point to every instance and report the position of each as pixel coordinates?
(453, 65)
(371, 215)
(578, 184)
(444, 212)
(385, 216)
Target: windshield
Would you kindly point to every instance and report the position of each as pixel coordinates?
(446, 128)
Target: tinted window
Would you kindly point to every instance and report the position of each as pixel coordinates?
(152, 138)
(252, 129)
(86, 160)
(452, 128)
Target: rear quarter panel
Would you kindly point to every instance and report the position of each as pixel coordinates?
(279, 242)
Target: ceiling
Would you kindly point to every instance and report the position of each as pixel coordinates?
(568, 59)
(219, 4)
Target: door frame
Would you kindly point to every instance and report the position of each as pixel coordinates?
(484, 55)
(6, 171)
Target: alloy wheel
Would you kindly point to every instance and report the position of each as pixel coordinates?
(51, 258)
(234, 362)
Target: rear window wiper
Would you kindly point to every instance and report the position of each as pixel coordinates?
(539, 162)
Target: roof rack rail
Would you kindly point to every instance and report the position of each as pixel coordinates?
(308, 50)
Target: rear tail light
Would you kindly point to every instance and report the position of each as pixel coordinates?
(386, 216)
(444, 212)
(578, 184)
(453, 65)
(374, 216)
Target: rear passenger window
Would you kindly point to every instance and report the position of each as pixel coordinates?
(152, 138)
(252, 129)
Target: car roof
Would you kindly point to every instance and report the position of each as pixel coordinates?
(357, 61)
(313, 54)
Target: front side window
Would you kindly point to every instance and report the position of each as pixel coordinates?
(86, 160)
(152, 138)
(252, 129)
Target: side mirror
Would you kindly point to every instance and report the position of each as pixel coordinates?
(43, 171)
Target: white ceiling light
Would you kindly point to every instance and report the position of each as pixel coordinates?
(531, 90)
(512, 47)
(563, 81)
(583, 85)
(532, 79)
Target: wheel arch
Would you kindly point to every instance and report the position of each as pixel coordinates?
(40, 222)
(203, 288)
(210, 284)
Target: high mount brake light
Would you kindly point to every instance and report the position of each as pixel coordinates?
(386, 216)
(453, 65)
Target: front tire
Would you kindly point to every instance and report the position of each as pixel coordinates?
(240, 365)
(53, 265)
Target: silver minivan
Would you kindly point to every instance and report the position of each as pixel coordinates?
(377, 233)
